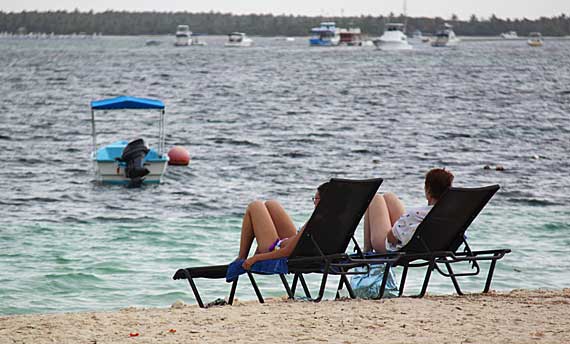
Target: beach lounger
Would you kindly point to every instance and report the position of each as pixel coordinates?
(321, 249)
(437, 241)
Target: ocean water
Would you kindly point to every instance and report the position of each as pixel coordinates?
(273, 121)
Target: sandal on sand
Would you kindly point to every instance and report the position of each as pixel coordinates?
(216, 302)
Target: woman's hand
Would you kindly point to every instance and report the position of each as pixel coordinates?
(249, 262)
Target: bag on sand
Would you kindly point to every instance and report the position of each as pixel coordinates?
(367, 285)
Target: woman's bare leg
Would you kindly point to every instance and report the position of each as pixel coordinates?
(395, 207)
(376, 225)
(283, 223)
(257, 223)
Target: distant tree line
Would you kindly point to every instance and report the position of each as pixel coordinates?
(214, 23)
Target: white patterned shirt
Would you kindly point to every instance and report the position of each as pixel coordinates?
(405, 227)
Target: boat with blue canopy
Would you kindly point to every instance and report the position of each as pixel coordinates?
(129, 163)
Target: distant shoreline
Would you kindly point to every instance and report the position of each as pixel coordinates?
(215, 23)
(518, 316)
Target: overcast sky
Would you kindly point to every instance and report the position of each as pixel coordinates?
(430, 8)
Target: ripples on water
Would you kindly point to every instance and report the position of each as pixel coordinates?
(272, 121)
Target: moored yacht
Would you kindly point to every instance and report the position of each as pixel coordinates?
(445, 37)
(325, 35)
(183, 34)
(351, 37)
(393, 38)
(238, 40)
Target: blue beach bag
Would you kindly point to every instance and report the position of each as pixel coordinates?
(367, 285)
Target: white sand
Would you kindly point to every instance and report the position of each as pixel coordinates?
(521, 316)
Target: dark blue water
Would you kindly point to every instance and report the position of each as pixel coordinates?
(273, 121)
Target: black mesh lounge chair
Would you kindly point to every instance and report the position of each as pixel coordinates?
(321, 249)
(438, 239)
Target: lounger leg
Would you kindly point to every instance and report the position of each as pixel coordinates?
(305, 287)
(294, 284)
(384, 279)
(403, 280)
(490, 276)
(323, 284)
(428, 276)
(349, 287)
(233, 291)
(340, 282)
(453, 279)
(194, 289)
(254, 285)
(286, 285)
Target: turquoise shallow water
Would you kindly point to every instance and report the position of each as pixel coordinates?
(273, 121)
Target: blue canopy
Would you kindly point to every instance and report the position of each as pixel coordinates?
(126, 102)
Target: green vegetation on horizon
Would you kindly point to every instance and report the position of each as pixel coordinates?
(214, 23)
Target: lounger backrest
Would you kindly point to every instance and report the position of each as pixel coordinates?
(333, 222)
(444, 226)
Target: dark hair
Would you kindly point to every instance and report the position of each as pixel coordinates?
(438, 180)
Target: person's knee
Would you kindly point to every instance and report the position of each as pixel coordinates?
(255, 205)
(378, 200)
(390, 197)
(272, 204)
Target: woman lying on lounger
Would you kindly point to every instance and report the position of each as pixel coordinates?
(273, 230)
(387, 226)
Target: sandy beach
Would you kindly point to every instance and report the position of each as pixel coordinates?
(519, 316)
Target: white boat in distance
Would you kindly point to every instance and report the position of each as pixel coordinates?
(238, 40)
(535, 39)
(195, 40)
(393, 38)
(183, 34)
(445, 37)
(509, 35)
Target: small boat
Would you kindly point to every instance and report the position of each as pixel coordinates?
(195, 40)
(445, 37)
(238, 40)
(129, 163)
(152, 43)
(509, 35)
(535, 39)
(183, 34)
(326, 35)
(351, 37)
(393, 38)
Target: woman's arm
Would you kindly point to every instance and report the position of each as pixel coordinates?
(392, 238)
(283, 252)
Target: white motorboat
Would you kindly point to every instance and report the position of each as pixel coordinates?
(129, 163)
(393, 38)
(535, 39)
(183, 34)
(445, 37)
(509, 35)
(238, 40)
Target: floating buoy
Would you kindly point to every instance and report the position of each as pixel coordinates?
(178, 156)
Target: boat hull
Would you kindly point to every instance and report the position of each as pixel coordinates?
(110, 171)
(390, 45)
(534, 43)
(243, 44)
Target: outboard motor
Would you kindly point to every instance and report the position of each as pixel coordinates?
(133, 155)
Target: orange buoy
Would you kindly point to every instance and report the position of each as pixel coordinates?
(178, 156)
